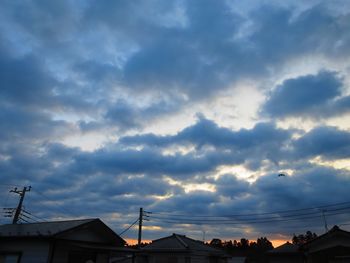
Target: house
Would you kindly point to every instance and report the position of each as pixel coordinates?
(73, 241)
(333, 246)
(286, 253)
(180, 249)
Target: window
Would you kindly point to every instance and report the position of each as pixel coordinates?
(10, 257)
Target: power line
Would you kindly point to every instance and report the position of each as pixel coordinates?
(121, 233)
(5, 202)
(243, 222)
(31, 214)
(11, 185)
(251, 214)
(259, 218)
(28, 217)
(62, 209)
(22, 219)
(229, 219)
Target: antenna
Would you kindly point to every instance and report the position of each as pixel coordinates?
(324, 219)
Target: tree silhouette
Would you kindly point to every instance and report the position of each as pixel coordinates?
(302, 239)
(253, 250)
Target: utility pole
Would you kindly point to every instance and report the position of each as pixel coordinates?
(140, 227)
(142, 217)
(19, 207)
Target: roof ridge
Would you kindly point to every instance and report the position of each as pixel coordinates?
(178, 237)
(52, 222)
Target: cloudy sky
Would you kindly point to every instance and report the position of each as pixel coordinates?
(189, 109)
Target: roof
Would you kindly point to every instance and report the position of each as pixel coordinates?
(180, 243)
(56, 229)
(43, 229)
(336, 234)
(286, 248)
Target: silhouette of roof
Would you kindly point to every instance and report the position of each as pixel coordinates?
(285, 248)
(40, 229)
(56, 229)
(334, 234)
(180, 243)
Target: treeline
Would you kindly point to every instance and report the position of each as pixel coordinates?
(302, 239)
(254, 251)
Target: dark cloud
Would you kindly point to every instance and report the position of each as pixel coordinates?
(229, 186)
(149, 161)
(264, 141)
(23, 81)
(194, 48)
(113, 180)
(125, 115)
(303, 189)
(191, 49)
(310, 95)
(195, 206)
(204, 54)
(29, 16)
(316, 30)
(327, 142)
(21, 125)
(207, 132)
(140, 185)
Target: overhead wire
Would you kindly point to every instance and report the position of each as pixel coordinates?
(276, 217)
(35, 216)
(125, 230)
(5, 202)
(228, 219)
(252, 214)
(28, 217)
(62, 209)
(256, 218)
(244, 222)
(22, 219)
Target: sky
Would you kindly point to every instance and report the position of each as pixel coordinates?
(189, 109)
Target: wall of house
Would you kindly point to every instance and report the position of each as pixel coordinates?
(286, 259)
(329, 243)
(335, 254)
(85, 234)
(163, 257)
(35, 251)
(178, 258)
(63, 254)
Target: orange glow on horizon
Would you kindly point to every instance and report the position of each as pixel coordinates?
(275, 242)
(278, 242)
(134, 241)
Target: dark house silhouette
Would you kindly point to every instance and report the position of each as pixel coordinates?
(331, 247)
(286, 253)
(180, 249)
(73, 241)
